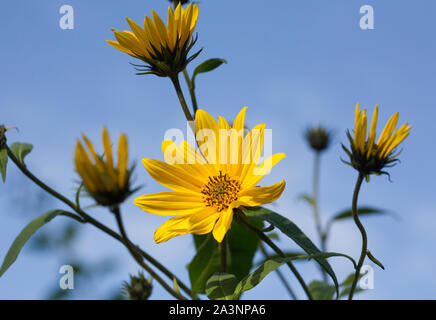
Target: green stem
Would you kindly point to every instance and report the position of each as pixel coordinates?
(138, 258)
(279, 273)
(95, 223)
(362, 231)
(191, 88)
(176, 83)
(322, 236)
(271, 244)
(223, 254)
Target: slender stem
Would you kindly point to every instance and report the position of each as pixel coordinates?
(316, 176)
(176, 83)
(279, 273)
(271, 244)
(191, 88)
(223, 254)
(362, 231)
(138, 258)
(92, 221)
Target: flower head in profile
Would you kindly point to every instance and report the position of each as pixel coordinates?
(207, 186)
(368, 156)
(164, 48)
(107, 183)
(318, 138)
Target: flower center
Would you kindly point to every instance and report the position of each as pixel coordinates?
(220, 191)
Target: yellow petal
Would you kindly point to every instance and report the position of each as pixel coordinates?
(372, 132)
(172, 177)
(116, 45)
(171, 28)
(122, 160)
(128, 40)
(252, 150)
(170, 203)
(207, 136)
(223, 224)
(194, 18)
(187, 223)
(109, 159)
(152, 33)
(388, 129)
(256, 174)
(261, 195)
(161, 29)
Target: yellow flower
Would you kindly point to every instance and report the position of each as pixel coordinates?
(106, 183)
(164, 48)
(206, 189)
(368, 156)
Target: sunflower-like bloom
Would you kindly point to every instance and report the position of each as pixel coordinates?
(106, 183)
(208, 186)
(368, 156)
(164, 48)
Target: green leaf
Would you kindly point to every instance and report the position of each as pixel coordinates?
(374, 259)
(254, 278)
(346, 285)
(21, 150)
(286, 253)
(3, 163)
(360, 211)
(176, 285)
(321, 290)
(207, 66)
(242, 245)
(26, 233)
(221, 286)
(292, 231)
(205, 262)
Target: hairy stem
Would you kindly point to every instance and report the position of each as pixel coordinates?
(362, 231)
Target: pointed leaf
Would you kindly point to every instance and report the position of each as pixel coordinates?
(207, 66)
(26, 233)
(221, 286)
(360, 211)
(21, 150)
(242, 245)
(321, 290)
(3, 163)
(374, 259)
(292, 231)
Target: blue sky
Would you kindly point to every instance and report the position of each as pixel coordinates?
(293, 63)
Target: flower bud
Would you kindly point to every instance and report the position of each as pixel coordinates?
(138, 288)
(318, 138)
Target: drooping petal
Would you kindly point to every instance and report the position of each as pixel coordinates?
(223, 224)
(186, 223)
